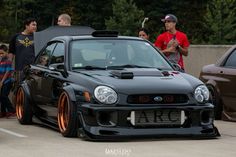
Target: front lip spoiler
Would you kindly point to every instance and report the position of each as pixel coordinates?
(117, 133)
(93, 133)
(96, 133)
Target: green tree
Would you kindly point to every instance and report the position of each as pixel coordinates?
(18, 10)
(14, 12)
(189, 13)
(191, 19)
(204, 21)
(127, 18)
(93, 12)
(221, 22)
(155, 11)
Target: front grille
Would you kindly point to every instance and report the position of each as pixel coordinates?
(162, 117)
(157, 99)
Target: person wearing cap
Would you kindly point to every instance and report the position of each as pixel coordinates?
(64, 20)
(7, 109)
(173, 43)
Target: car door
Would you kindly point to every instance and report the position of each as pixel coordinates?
(228, 87)
(51, 81)
(43, 79)
(38, 71)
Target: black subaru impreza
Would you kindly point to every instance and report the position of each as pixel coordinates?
(106, 86)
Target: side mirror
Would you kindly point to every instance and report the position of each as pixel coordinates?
(59, 67)
(177, 67)
(26, 69)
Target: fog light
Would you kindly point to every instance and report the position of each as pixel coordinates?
(107, 118)
(206, 117)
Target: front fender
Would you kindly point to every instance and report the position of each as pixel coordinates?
(70, 91)
(26, 90)
(214, 84)
(75, 92)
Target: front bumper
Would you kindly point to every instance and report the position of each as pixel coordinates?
(105, 122)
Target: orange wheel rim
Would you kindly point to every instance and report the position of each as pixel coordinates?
(19, 103)
(63, 112)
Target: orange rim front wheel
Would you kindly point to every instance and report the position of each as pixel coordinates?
(63, 112)
(20, 100)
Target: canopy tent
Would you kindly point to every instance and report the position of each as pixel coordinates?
(42, 37)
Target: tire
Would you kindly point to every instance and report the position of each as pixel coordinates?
(23, 108)
(215, 100)
(67, 116)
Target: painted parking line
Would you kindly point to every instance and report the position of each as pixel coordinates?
(11, 133)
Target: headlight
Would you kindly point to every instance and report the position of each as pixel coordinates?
(105, 95)
(201, 93)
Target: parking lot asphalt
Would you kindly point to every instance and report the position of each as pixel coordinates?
(38, 141)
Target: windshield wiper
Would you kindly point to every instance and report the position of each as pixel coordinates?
(127, 66)
(89, 67)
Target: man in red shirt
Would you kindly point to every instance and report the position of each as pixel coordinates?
(173, 43)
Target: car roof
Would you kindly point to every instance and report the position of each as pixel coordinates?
(67, 33)
(97, 34)
(92, 37)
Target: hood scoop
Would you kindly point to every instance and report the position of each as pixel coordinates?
(130, 73)
(122, 74)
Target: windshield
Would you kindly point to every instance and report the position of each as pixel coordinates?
(120, 53)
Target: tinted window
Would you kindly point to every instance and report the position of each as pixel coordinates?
(231, 61)
(105, 53)
(43, 58)
(58, 54)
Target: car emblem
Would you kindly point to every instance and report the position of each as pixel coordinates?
(158, 98)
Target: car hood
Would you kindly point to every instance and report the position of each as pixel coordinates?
(134, 81)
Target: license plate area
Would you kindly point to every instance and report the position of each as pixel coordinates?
(163, 117)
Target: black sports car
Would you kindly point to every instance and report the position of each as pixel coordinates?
(105, 86)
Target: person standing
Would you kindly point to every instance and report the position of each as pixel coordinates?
(143, 33)
(173, 43)
(64, 20)
(7, 109)
(21, 48)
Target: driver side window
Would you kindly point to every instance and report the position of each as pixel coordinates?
(43, 58)
(231, 61)
(58, 55)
